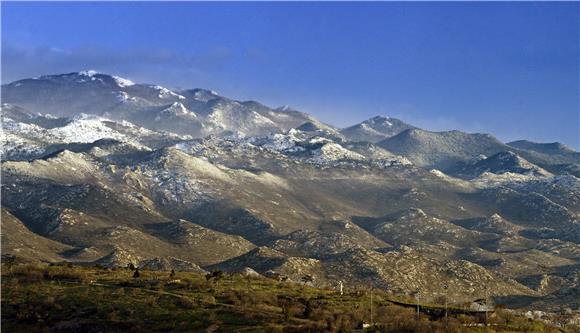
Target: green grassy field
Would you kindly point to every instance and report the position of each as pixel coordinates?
(62, 298)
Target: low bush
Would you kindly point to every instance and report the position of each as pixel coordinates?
(64, 273)
(28, 273)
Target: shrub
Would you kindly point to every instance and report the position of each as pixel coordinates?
(28, 273)
(65, 273)
(208, 300)
(186, 302)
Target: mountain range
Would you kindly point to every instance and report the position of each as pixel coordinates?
(97, 169)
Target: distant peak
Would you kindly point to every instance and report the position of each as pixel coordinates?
(379, 121)
(541, 147)
(93, 75)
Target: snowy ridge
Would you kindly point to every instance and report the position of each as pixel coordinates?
(166, 93)
(30, 140)
(293, 145)
(85, 129)
(489, 179)
(13, 140)
(121, 82)
(91, 92)
(331, 151)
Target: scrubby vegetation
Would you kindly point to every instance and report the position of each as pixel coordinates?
(66, 298)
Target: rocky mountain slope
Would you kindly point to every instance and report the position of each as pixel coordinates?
(100, 170)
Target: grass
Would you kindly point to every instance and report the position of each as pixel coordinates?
(64, 298)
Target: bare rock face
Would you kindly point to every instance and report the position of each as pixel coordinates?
(97, 169)
(119, 258)
(247, 271)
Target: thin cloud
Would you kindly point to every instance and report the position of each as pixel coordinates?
(150, 64)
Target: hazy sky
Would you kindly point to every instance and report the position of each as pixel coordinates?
(510, 69)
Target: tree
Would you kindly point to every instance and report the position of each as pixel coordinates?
(308, 308)
(172, 274)
(136, 274)
(286, 304)
(9, 261)
(216, 276)
(248, 282)
(131, 266)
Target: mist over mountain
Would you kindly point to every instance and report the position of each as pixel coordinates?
(98, 169)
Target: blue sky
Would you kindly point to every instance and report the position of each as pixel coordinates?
(510, 69)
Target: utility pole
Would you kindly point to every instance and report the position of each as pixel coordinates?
(446, 287)
(486, 306)
(417, 295)
(372, 323)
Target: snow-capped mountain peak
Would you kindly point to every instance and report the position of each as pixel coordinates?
(375, 129)
(379, 121)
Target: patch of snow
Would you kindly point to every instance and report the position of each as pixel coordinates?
(21, 140)
(164, 92)
(281, 142)
(235, 117)
(371, 130)
(438, 173)
(122, 96)
(488, 179)
(333, 152)
(278, 115)
(85, 129)
(121, 82)
(89, 73)
(319, 139)
(177, 109)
